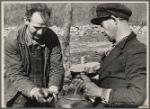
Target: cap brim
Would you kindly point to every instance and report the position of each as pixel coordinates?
(98, 21)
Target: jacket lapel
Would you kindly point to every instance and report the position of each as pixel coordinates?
(47, 53)
(23, 47)
(114, 54)
(110, 58)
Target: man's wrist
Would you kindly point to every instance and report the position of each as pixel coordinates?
(53, 89)
(100, 92)
(104, 95)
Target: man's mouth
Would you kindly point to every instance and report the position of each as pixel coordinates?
(106, 35)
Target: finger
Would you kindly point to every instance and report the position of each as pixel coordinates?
(40, 100)
(43, 100)
(85, 90)
(39, 95)
(55, 97)
(84, 85)
(46, 93)
(87, 85)
(78, 76)
(85, 78)
(73, 81)
(49, 100)
(87, 94)
(78, 82)
(81, 86)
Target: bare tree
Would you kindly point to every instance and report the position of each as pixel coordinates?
(66, 36)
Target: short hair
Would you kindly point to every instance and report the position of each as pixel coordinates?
(37, 7)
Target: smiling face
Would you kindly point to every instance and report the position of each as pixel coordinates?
(38, 25)
(109, 29)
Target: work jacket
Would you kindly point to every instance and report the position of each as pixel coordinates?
(17, 63)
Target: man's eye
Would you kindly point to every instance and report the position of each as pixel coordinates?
(101, 25)
(37, 28)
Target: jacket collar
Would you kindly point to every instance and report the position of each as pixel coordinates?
(21, 34)
(123, 43)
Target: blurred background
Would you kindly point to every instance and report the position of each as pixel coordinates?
(85, 38)
(82, 13)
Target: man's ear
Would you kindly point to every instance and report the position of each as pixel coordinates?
(115, 19)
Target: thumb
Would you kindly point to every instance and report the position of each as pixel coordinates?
(46, 93)
(85, 78)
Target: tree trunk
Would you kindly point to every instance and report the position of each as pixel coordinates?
(66, 36)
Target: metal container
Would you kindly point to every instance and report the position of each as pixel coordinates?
(73, 101)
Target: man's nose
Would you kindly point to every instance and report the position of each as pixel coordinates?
(102, 30)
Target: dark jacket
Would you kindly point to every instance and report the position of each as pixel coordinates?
(17, 63)
(124, 71)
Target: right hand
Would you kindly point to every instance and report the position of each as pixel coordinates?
(41, 95)
(80, 80)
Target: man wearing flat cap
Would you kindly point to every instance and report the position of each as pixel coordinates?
(122, 74)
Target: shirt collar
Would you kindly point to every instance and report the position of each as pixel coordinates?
(116, 43)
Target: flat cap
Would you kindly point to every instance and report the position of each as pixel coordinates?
(104, 11)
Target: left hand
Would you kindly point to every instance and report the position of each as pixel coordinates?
(80, 80)
(91, 89)
(77, 82)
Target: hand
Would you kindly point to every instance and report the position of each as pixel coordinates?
(80, 80)
(41, 95)
(92, 90)
(48, 96)
(77, 82)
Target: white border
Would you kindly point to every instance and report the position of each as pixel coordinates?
(148, 39)
(2, 32)
(2, 56)
(74, 2)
